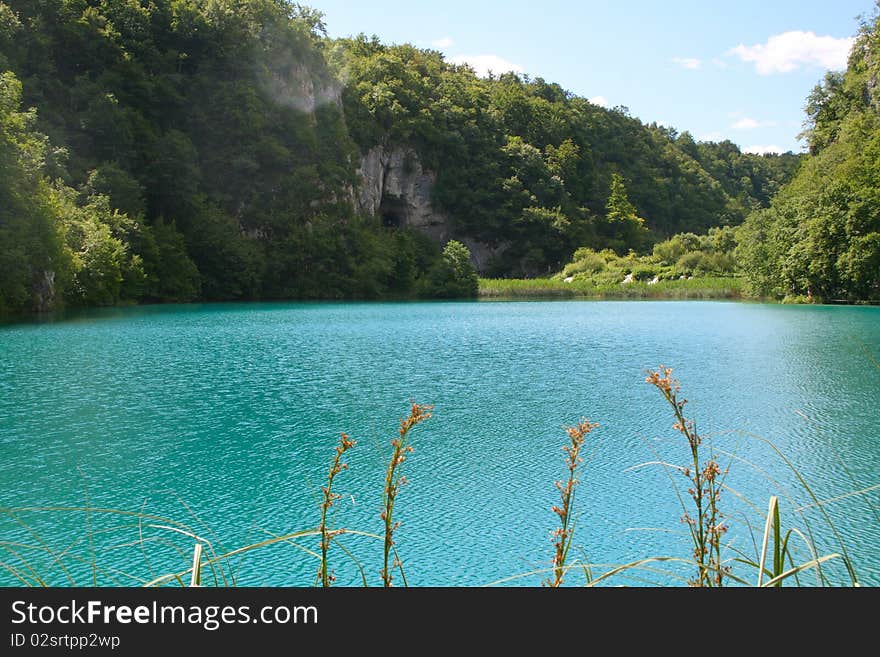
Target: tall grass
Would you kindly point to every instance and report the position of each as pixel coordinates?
(31, 560)
(564, 534)
(393, 481)
(328, 497)
(707, 526)
(549, 288)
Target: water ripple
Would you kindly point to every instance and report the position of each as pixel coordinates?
(234, 410)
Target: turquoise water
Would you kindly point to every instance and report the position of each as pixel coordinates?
(231, 412)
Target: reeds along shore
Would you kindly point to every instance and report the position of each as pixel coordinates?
(549, 288)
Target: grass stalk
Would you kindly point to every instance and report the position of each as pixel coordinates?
(563, 535)
(393, 481)
(196, 579)
(327, 500)
(707, 527)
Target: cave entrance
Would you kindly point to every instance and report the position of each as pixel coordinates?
(393, 212)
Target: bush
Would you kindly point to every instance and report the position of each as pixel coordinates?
(690, 262)
(675, 247)
(585, 261)
(644, 273)
(453, 276)
(722, 263)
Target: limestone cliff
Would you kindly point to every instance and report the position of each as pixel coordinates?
(302, 87)
(396, 187)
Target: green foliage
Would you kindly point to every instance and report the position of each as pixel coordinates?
(679, 258)
(618, 208)
(105, 271)
(585, 261)
(230, 264)
(174, 276)
(57, 245)
(526, 164)
(626, 230)
(820, 239)
(453, 276)
(214, 148)
(690, 262)
(709, 287)
(31, 240)
(125, 194)
(751, 181)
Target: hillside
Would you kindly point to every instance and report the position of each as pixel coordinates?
(820, 239)
(182, 150)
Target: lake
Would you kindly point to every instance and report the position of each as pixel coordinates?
(224, 417)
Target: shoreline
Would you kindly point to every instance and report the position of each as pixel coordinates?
(707, 288)
(491, 290)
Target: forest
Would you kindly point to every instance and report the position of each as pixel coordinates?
(180, 150)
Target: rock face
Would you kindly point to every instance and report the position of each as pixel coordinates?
(44, 292)
(295, 85)
(483, 254)
(398, 189)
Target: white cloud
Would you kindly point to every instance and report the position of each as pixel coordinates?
(445, 42)
(719, 63)
(746, 123)
(483, 64)
(691, 63)
(601, 101)
(788, 51)
(763, 150)
(711, 136)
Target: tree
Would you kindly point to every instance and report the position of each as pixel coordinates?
(453, 276)
(457, 257)
(33, 260)
(626, 230)
(238, 126)
(821, 236)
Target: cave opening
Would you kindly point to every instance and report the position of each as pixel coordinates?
(392, 210)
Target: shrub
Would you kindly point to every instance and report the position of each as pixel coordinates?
(644, 273)
(453, 276)
(690, 262)
(675, 247)
(586, 261)
(723, 263)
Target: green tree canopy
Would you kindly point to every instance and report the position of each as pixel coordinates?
(821, 235)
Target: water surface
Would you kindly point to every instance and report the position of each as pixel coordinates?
(234, 410)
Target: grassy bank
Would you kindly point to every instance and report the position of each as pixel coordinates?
(727, 287)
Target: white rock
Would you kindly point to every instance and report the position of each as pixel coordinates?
(570, 279)
(655, 281)
(629, 279)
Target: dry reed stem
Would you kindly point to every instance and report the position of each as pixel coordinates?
(563, 535)
(328, 498)
(393, 481)
(708, 526)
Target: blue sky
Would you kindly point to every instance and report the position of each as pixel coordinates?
(721, 70)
